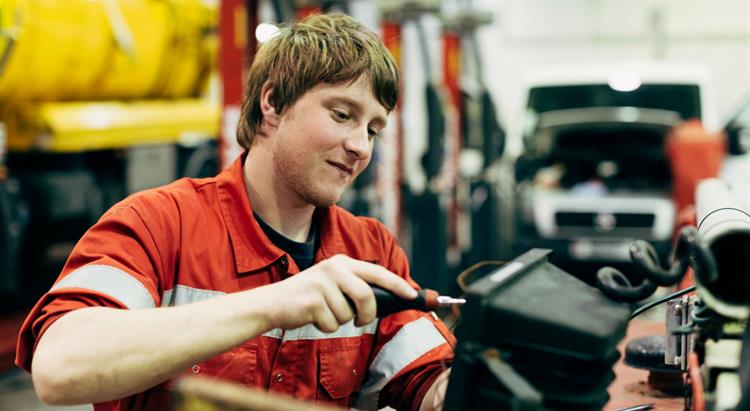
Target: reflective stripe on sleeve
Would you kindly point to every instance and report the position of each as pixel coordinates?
(411, 342)
(186, 295)
(110, 281)
(275, 333)
(183, 294)
(309, 332)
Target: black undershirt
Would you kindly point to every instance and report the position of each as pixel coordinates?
(302, 253)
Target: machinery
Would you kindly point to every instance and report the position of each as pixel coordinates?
(707, 335)
(97, 100)
(554, 351)
(558, 342)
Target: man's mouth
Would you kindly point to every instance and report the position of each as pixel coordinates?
(342, 167)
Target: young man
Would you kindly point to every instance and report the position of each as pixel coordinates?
(246, 276)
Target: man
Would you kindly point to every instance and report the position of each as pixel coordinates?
(246, 276)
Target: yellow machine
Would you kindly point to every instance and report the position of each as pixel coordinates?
(98, 99)
(100, 51)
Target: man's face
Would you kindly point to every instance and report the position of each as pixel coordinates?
(324, 140)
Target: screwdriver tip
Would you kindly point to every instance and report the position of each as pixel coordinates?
(444, 300)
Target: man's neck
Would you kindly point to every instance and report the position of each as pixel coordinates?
(280, 208)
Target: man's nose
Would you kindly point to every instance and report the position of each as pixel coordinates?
(358, 144)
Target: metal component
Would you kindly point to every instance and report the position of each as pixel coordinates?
(724, 228)
(605, 222)
(444, 300)
(401, 10)
(678, 346)
(467, 19)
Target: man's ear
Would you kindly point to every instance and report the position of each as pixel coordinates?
(270, 116)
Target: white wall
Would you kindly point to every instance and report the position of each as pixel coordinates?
(528, 33)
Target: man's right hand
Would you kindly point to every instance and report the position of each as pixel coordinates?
(319, 294)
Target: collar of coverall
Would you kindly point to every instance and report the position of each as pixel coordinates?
(253, 251)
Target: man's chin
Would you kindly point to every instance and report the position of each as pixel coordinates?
(323, 200)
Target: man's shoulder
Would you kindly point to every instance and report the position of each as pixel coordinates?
(175, 197)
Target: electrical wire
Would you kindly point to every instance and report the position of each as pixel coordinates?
(461, 278)
(638, 311)
(463, 284)
(688, 250)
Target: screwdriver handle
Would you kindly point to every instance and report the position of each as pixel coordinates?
(389, 303)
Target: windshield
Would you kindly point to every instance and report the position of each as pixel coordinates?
(681, 98)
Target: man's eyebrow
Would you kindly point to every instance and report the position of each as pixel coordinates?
(357, 107)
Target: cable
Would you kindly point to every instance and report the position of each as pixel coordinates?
(688, 250)
(461, 278)
(616, 286)
(638, 311)
(464, 286)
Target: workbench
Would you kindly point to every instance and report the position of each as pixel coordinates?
(630, 388)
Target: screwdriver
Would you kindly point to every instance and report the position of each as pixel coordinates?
(427, 300)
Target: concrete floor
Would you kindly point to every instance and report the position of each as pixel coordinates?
(17, 394)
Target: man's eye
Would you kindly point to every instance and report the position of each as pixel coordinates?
(373, 133)
(341, 115)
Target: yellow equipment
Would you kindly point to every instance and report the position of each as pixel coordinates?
(101, 50)
(98, 99)
(77, 127)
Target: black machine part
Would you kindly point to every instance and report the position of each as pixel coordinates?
(724, 228)
(554, 309)
(530, 309)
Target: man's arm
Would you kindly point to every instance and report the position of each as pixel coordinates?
(435, 397)
(99, 354)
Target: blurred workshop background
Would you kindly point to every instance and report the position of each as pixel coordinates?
(521, 124)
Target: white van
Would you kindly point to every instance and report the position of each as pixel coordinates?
(591, 174)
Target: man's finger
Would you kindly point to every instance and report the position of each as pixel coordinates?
(360, 294)
(378, 275)
(338, 304)
(325, 321)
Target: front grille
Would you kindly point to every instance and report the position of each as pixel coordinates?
(568, 219)
(621, 220)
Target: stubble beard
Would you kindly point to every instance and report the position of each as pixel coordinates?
(303, 184)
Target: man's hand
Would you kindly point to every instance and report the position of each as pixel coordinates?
(434, 399)
(318, 295)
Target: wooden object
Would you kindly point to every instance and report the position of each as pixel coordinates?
(206, 394)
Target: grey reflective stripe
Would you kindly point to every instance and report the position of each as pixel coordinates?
(186, 295)
(182, 295)
(110, 281)
(309, 332)
(275, 333)
(411, 342)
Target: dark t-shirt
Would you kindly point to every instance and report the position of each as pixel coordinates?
(302, 253)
